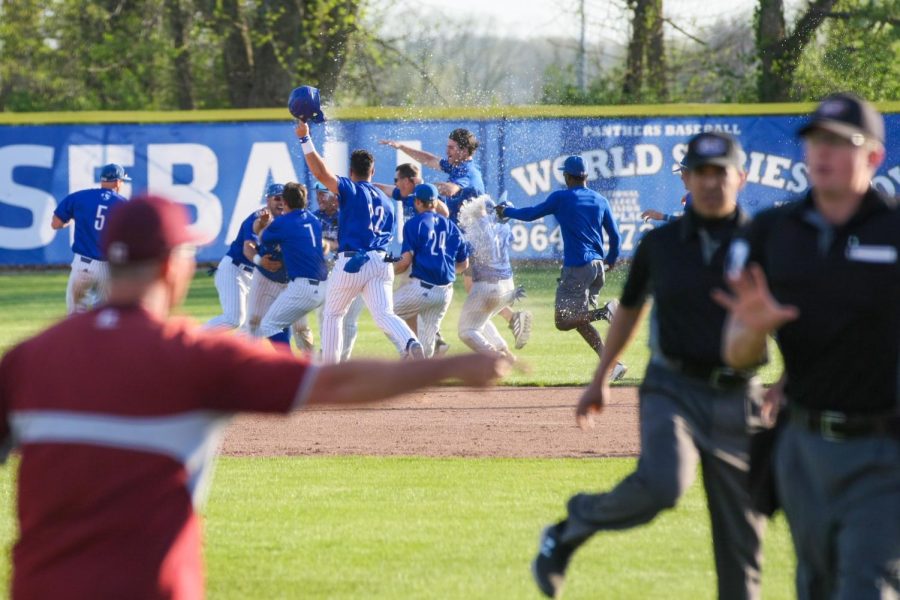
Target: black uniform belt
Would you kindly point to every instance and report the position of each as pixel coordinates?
(349, 253)
(311, 281)
(715, 375)
(242, 266)
(87, 260)
(835, 425)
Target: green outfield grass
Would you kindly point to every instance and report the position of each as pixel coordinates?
(31, 301)
(362, 527)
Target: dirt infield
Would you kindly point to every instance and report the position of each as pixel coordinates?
(501, 422)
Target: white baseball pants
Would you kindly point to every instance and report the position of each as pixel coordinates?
(298, 298)
(485, 300)
(351, 323)
(233, 285)
(428, 303)
(375, 282)
(88, 282)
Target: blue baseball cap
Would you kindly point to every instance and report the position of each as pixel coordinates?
(574, 166)
(274, 189)
(320, 187)
(426, 192)
(305, 105)
(113, 172)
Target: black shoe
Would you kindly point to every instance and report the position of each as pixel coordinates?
(549, 566)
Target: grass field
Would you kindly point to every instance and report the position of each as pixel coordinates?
(369, 527)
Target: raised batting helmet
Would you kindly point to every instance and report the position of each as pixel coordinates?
(305, 105)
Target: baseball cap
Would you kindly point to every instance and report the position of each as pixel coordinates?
(304, 104)
(320, 187)
(275, 189)
(679, 167)
(144, 229)
(574, 166)
(848, 116)
(426, 192)
(713, 148)
(113, 172)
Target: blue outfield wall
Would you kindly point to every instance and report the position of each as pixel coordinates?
(220, 169)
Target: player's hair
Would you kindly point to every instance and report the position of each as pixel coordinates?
(465, 139)
(408, 170)
(575, 179)
(361, 163)
(294, 195)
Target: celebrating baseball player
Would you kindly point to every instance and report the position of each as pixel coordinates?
(583, 216)
(832, 259)
(655, 215)
(234, 275)
(299, 236)
(492, 277)
(113, 467)
(89, 209)
(328, 214)
(435, 248)
(366, 219)
(694, 409)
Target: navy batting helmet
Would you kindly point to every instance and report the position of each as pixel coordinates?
(304, 104)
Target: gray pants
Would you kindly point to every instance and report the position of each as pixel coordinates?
(842, 501)
(578, 289)
(683, 422)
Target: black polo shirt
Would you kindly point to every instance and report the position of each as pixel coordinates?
(842, 352)
(679, 264)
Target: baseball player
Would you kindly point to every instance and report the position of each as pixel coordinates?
(89, 209)
(655, 215)
(693, 408)
(832, 259)
(465, 182)
(435, 248)
(234, 275)
(115, 450)
(366, 219)
(406, 177)
(492, 277)
(583, 216)
(327, 213)
(299, 236)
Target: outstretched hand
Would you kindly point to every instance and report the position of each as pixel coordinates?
(392, 143)
(752, 303)
(592, 402)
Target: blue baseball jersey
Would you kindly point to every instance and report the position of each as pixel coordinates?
(90, 209)
(408, 203)
(583, 216)
(329, 223)
(489, 256)
(245, 232)
(366, 217)
(437, 245)
(299, 235)
(467, 176)
(274, 253)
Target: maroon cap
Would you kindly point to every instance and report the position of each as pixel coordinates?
(145, 228)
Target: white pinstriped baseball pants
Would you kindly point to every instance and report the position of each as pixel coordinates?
(233, 285)
(88, 282)
(298, 298)
(429, 305)
(351, 322)
(375, 281)
(485, 300)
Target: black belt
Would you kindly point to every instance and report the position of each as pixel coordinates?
(311, 281)
(835, 426)
(714, 375)
(349, 253)
(87, 260)
(242, 266)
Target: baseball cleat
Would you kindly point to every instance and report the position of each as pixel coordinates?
(549, 566)
(414, 350)
(611, 307)
(441, 348)
(618, 372)
(520, 324)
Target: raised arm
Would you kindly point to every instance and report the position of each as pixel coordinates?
(426, 158)
(313, 160)
(529, 213)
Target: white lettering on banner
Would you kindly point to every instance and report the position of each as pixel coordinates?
(269, 162)
(772, 175)
(38, 202)
(536, 236)
(649, 159)
(801, 181)
(161, 162)
(620, 169)
(884, 183)
(692, 129)
(595, 162)
(538, 179)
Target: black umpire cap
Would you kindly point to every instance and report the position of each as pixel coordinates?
(848, 116)
(713, 148)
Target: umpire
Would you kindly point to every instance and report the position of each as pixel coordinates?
(832, 261)
(692, 408)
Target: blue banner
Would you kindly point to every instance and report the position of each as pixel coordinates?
(219, 170)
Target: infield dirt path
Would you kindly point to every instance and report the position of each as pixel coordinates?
(499, 422)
